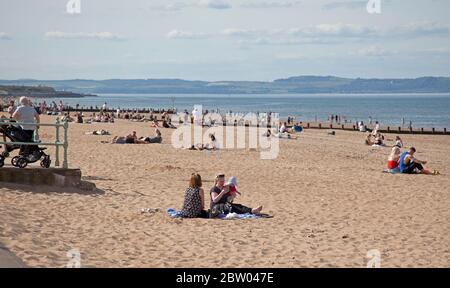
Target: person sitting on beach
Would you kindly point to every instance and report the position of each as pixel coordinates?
(67, 118)
(194, 199)
(408, 164)
(167, 124)
(394, 157)
(150, 140)
(79, 117)
(223, 195)
(369, 140)
(131, 138)
(379, 138)
(213, 145)
(283, 128)
(398, 142)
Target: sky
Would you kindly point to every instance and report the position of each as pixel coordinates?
(216, 40)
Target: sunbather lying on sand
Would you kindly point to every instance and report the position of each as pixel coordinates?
(212, 146)
(98, 132)
(129, 139)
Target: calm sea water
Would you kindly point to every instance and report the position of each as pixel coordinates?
(424, 110)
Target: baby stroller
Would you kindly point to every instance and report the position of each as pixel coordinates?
(28, 153)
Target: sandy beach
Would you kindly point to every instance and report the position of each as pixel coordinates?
(330, 201)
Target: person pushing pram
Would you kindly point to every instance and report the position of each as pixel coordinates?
(25, 113)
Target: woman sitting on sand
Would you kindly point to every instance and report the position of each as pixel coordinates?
(168, 124)
(398, 142)
(223, 195)
(394, 157)
(194, 199)
(150, 140)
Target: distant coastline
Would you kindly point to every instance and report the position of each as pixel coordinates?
(38, 92)
(292, 85)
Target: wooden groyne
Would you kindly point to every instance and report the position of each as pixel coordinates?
(385, 130)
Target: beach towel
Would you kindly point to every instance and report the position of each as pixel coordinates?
(231, 216)
(392, 171)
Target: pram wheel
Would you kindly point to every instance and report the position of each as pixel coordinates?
(22, 162)
(14, 161)
(5, 154)
(45, 163)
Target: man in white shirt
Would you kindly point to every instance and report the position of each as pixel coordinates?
(25, 113)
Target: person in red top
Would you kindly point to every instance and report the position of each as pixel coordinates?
(393, 159)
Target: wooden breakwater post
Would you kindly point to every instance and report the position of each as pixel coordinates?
(307, 125)
(399, 129)
(433, 130)
(343, 127)
(445, 131)
(331, 126)
(388, 129)
(320, 125)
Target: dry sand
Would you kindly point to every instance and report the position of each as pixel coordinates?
(330, 199)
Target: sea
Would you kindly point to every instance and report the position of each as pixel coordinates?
(418, 110)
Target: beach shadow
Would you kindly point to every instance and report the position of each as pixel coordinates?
(95, 178)
(45, 189)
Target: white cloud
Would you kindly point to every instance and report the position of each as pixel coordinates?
(4, 36)
(423, 29)
(374, 51)
(346, 5)
(289, 56)
(177, 6)
(271, 4)
(439, 50)
(318, 34)
(335, 30)
(82, 35)
(214, 4)
(321, 30)
(169, 7)
(178, 34)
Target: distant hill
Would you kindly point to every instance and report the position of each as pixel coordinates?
(39, 90)
(299, 84)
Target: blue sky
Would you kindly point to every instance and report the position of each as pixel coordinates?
(223, 40)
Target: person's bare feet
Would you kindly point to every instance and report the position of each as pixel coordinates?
(257, 210)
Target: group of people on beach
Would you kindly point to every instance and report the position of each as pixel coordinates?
(222, 196)
(132, 138)
(405, 162)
